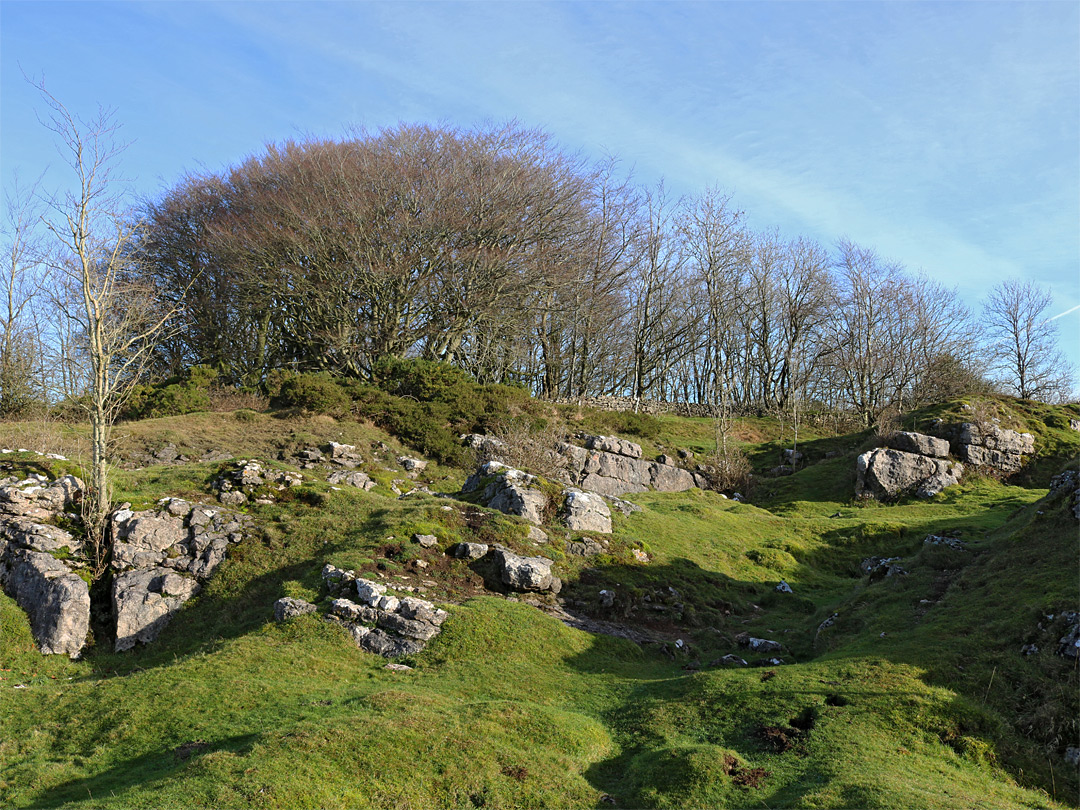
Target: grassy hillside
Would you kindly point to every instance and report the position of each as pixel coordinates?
(914, 695)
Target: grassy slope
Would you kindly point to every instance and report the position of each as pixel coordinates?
(510, 708)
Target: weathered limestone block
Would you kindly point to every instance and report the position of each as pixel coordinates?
(144, 602)
(918, 443)
(586, 512)
(289, 608)
(526, 573)
(886, 473)
(613, 444)
(56, 600)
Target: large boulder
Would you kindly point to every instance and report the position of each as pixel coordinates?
(886, 473)
(525, 573)
(56, 600)
(586, 512)
(615, 474)
(613, 444)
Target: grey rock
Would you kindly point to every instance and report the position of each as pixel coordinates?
(426, 540)
(763, 645)
(352, 612)
(369, 591)
(783, 587)
(537, 535)
(413, 465)
(586, 547)
(942, 540)
(918, 443)
(1072, 753)
(992, 447)
(356, 479)
(410, 628)
(56, 601)
(586, 512)
(289, 608)
(607, 598)
(516, 498)
(1074, 424)
(422, 610)
(388, 645)
(729, 661)
(144, 602)
(613, 444)
(470, 551)
(887, 473)
(526, 573)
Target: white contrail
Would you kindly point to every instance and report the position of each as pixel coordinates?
(1063, 314)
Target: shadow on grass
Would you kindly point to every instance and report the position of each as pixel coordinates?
(142, 771)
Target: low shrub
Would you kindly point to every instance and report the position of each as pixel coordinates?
(186, 393)
(313, 392)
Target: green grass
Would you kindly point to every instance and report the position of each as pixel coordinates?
(900, 703)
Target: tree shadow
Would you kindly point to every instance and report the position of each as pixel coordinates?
(140, 772)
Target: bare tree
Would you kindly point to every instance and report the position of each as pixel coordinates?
(21, 286)
(115, 317)
(1021, 341)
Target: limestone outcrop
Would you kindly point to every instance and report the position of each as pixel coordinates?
(381, 622)
(612, 466)
(606, 465)
(992, 447)
(161, 557)
(514, 492)
(39, 561)
(887, 472)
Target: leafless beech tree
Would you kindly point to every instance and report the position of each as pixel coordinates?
(115, 316)
(1021, 341)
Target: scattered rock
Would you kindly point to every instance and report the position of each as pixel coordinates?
(729, 661)
(402, 626)
(412, 465)
(537, 535)
(356, 479)
(759, 645)
(470, 551)
(607, 598)
(426, 540)
(783, 587)
(943, 540)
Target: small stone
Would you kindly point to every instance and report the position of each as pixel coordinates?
(398, 667)
(783, 587)
(426, 540)
(288, 608)
(470, 551)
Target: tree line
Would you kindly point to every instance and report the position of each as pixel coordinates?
(498, 251)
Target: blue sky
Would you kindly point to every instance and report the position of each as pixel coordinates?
(946, 135)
